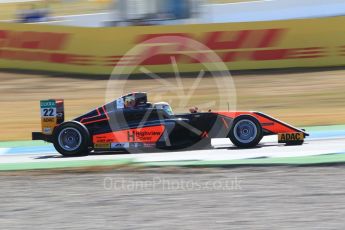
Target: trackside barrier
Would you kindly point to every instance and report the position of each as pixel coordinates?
(253, 45)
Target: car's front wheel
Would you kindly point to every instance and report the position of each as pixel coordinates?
(71, 139)
(246, 132)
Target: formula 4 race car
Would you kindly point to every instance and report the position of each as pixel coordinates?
(130, 122)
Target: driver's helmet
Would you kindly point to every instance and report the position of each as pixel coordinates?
(130, 101)
(164, 106)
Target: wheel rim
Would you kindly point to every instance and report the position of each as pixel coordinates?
(69, 139)
(245, 131)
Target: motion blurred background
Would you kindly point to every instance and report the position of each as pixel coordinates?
(90, 13)
(286, 56)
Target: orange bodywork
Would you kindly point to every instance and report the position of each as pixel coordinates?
(269, 123)
(144, 135)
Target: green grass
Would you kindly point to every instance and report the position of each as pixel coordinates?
(12, 144)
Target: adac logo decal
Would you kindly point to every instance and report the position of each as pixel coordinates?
(49, 119)
(289, 137)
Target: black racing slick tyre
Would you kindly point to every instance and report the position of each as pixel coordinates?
(71, 139)
(246, 132)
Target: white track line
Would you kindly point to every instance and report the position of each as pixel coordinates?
(223, 151)
(3, 151)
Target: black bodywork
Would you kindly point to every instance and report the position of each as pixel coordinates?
(116, 126)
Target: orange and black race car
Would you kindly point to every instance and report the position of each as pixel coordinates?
(130, 122)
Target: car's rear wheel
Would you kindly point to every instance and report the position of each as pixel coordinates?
(246, 132)
(71, 139)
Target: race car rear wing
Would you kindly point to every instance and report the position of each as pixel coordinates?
(52, 114)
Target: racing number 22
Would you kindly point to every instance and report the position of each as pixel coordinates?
(48, 112)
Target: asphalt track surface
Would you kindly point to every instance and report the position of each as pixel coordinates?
(270, 197)
(239, 198)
